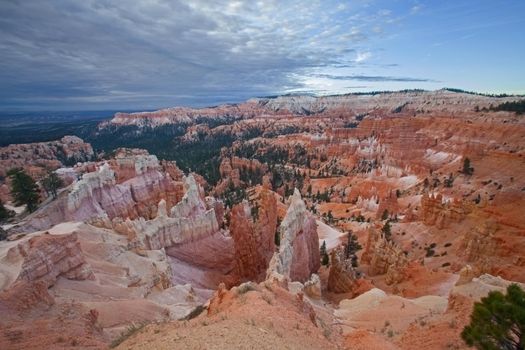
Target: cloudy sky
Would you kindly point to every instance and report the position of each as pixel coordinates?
(146, 54)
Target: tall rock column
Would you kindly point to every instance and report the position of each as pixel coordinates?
(298, 255)
(252, 227)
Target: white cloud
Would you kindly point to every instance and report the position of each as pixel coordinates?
(362, 57)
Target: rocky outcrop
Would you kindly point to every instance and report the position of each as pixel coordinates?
(47, 257)
(439, 213)
(189, 220)
(252, 226)
(312, 287)
(298, 255)
(384, 257)
(36, 157)
(342, 277)
(388, 204)
(479, 246)
(98, 196)
(129, 163)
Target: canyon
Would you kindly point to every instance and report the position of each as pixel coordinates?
(236, 231)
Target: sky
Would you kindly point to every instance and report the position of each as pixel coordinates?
(148, 54)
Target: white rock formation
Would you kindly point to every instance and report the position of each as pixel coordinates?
(298, 255)
(188, 221)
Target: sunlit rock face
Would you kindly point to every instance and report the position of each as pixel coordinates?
(298, 255)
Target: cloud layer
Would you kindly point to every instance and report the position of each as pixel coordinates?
(152, 53)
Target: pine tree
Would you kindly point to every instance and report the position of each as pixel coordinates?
(449, 181)
(467, 169)
(4, 212)
(3, 234)
(387, 230)
(352, 247)
(24, 189)
(325, 260)
(498, 321)
(52, 182)
(385, 215)
(330, 217)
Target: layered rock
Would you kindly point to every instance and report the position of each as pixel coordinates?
(388, 204)
(188, 221)
(238, 171)
(252, 226)
(36, 157)
(298, 255)
(479, 246)
(325, 106)
(384, 257)
(47, 257)
(99, 197)
(342, 277)
(439, 213)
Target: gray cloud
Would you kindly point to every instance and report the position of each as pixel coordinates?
(143, 54)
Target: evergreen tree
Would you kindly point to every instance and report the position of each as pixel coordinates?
(325, 260)
(330, 217)
(277, 237)
(387, 230)
(385, 215)
(24, 189)
(450, 180)
(4, 212)
(52, 182)
(498, 321)
(467, 169)
(352, 246)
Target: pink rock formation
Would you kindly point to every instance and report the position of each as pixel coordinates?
(436, 212)
(48, 256)
(342, 277)
(100, 198)
(37, 156)
(384, 257)
(479, 246)
(252, 226)
(298, 255)
(189, 220)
